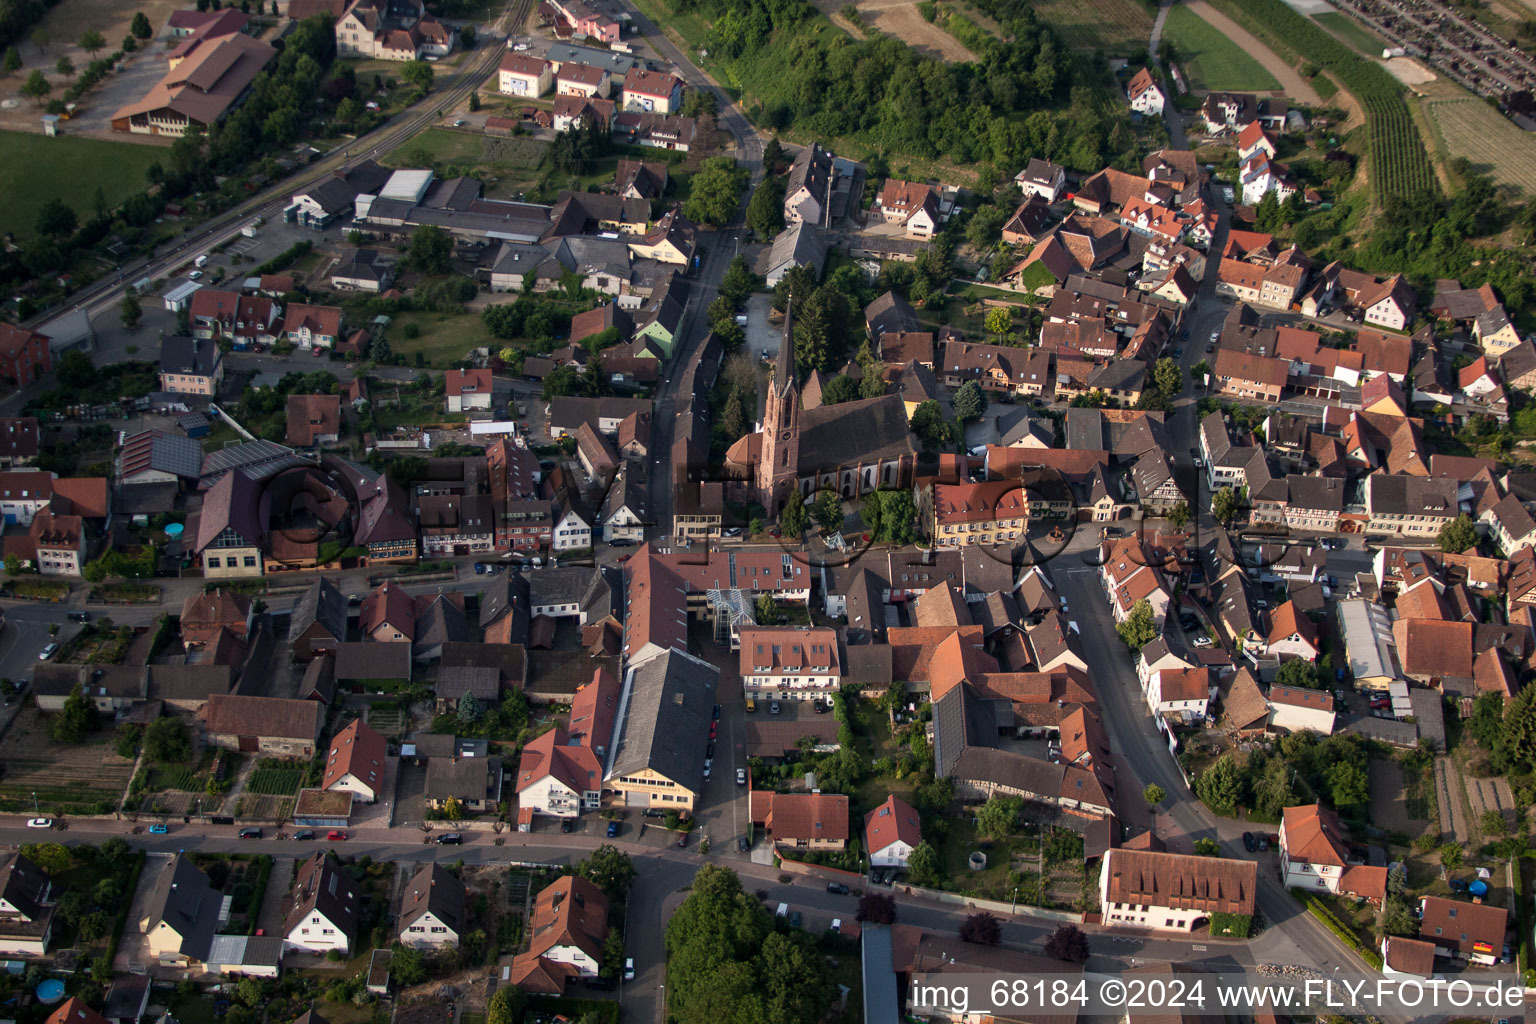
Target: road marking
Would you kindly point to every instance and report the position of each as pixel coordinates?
(1198, 949)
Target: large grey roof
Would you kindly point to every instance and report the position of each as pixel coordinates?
(188, 355)
(183, 898)
(321, 603)
(665, 712)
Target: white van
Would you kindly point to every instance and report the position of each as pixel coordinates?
(201, 261)
(783, 910)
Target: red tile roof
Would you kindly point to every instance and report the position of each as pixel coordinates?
(358, 751)
(892, 821)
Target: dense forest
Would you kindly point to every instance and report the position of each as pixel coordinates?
(1023, 97)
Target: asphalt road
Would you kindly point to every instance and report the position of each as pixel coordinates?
(661, 874)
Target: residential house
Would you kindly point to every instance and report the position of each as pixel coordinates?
(318, 622)
(1292, 634)
(357, 762)
(432, 909)
(229, 538)
(473, 783)
(911, 204)
(313, 420)
(790, 663)
(387, 615)
(1314, 855)
(1410, 506)
(521, 74)
(191, 366)
(1043, 179)
(1174, 891)
(1495, 332)
(1248, 376)
(891, 832)
(363, 270)
(311, 327)
(1181, 694)
(24, 355)
(808, 193)
(569, 926)
(1144, 95)
(993, 512)
(1295, 710)
(582, 80)
(799, 245)
(652, 92)
(26, 907)
(323, 909)
(809, 822)
(181, 914)
(1463, 930)
(468, 390)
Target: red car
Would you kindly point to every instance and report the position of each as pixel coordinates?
(335, 835)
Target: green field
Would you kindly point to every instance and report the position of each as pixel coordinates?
(1351, 32)
(1118, 27)
(443, 146)
(275, 781)
(35, 169)
(1212, 61)
(1471, 128)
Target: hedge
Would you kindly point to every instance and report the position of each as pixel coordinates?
(1345, 933)
(285, 259)
(253, 908)
(122, 913)
(1517, 869)
(604, 1011)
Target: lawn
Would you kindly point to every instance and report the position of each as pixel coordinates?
(1211, 60)
(443, 338)
(35, 168)
(1351, 32)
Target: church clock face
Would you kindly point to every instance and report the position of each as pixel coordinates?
(784, 436)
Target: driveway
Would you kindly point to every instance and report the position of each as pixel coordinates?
(131, 952)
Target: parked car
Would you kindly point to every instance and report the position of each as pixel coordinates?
(682, 840)
(304, 834)
(450, 839)
(1249, 842)
(794, 919)
(567, 825)
(837, 888)
(1201, 641)
(629, 969)
(250, 833)
(707, 766)
(79, 616)
(1263, 844)
(1210, 347)
(159, 830)
(751, 705)
(717, 712)
(613, 829)
(39, 823)
(773, 705)
(741, 776)
(48, 652)
(336, 835)
(742, 844)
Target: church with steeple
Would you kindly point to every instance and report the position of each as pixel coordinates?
(852, 447)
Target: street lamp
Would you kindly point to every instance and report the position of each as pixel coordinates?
(34, 802)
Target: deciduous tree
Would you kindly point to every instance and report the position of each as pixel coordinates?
(877, 908)
(716, 192)
(92, 42)
(1069, 943)
(36, 87)
(999, 816)
(981, 928)
(1139, 627)
(1458, 535)
(1154, 794)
